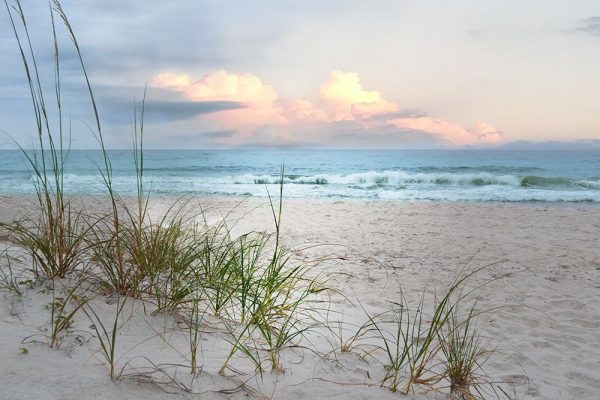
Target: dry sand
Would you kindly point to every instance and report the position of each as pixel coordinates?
(546, 282)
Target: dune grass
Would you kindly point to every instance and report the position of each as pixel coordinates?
(195, 324)
(465, 351)
(63, 310)
(10, 279)
(276, 301)
(416, 347)
(106, 337)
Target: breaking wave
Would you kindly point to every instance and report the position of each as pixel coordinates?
(403, 179)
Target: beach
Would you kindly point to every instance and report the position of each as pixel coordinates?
(540, 271)
(198, 202)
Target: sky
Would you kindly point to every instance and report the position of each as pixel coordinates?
(331, 74)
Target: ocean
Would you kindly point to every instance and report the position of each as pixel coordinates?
(402, 175)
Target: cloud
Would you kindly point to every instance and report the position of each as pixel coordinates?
(221, 85)
(344, 92)
(218, 85)
(486, 133)
(177, 110)
(453, 134)
(247, 89)
(590, 25)
(343, 109)
(171, 80)
(219, 134)
(164, 111)
(341, 134)
(203, 136)
(303, 110)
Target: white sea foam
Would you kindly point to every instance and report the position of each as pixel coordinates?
(589, 184)
(375, 178)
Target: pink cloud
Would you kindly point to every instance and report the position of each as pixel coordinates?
(258, 98)
(344, 93)
(451, 133)
(221, 85)
(342, 98)
(171, 80)
(303, 110)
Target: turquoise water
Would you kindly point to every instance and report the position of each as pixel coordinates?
(418, 175)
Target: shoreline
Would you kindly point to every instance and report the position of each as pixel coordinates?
(333, 199)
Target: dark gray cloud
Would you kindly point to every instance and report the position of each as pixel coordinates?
(222, 134)
(119, 111)
(165, 111)
(590, 25)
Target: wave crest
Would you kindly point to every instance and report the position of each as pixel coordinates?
(401, 179)
(382, 179)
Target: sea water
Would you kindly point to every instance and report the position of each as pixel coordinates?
(416, 175)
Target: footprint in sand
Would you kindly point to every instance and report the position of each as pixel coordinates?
(541, 345)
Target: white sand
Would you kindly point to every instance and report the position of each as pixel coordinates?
(547, 280)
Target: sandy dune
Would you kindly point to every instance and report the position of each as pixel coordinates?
(544, 267)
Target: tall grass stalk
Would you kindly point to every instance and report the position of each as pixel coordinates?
(54, 234)
(465, 351)
(10, 279)
(61, 312)
(396, 341)
(106, 337)
(195, 323)
(251, 249)
(121, 226)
